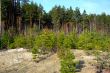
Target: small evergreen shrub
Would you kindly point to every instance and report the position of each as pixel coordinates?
(60, 44)
(67, 42)
(34, 52)
(12, 46)
(67, 62)
(30, 41)
(67, 66)
(105, 43)
(64, 44)
(5, 40)
(93, 41)
(60, 39)
(19, 41)
(85, 41)
(74, 39)
(45, 41)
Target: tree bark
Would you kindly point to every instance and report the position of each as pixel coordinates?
(0, 20)
(39, 23)
(30, 20)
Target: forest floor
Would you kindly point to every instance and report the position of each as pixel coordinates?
(20, 61)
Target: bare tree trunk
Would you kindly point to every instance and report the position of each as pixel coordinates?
(83, 27)
(94, 23)
(30, 20)
(19, 24)
(90, 25)
(76, 28)
(0, 20)
(39, 23)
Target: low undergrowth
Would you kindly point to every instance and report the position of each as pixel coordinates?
(47, 41)
(66, 56)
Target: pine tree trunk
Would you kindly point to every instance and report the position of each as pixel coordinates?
(39, 23)
(30, 20)
(0, 20)
(2, 26)
(90, 27)
(76, 28)
(19, 23)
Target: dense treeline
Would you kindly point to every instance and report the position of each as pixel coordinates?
(23, 18)
(19, 15)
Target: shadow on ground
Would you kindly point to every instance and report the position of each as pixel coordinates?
(79, 65)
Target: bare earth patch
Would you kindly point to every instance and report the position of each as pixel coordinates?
(20, 61)
(89, 61)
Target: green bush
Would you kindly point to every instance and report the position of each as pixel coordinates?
(64, 44)
(101, 42)
(85, 41)
(70, 41)
(12, 46)
(93, 41)
(22, 41)
(60, 44)
(45, 41)
(19, 41)
(67, 66)
(65, 41)
(29, 41)
(107, 44)
(60, 39)
(74, 39)
(5, 40)
(67, 62)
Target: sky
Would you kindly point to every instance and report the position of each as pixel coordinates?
(91, 6)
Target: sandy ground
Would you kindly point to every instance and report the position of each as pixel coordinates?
(88, 62)
(20, 61)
